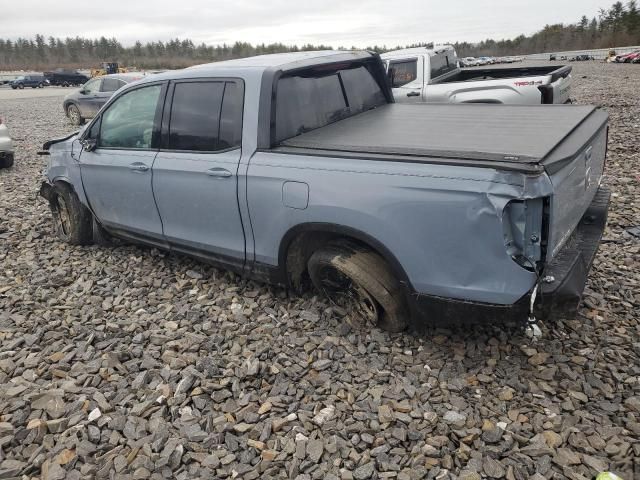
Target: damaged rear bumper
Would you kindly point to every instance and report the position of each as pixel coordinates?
(559, 295)
(564, 278)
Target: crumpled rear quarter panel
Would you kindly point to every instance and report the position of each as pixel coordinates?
(442, 223)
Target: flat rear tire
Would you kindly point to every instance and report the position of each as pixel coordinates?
(360, 282)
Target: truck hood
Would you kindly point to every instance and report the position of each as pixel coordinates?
(526, 136)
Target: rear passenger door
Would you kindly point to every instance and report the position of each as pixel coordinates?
(195, 172)
(407, 78)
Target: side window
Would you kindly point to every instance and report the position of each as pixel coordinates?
(111, 84)
(443, 63)
(195, 116)
(95, 129)
(231, 117)
(403, 72)
(128, 122)
(92, 86)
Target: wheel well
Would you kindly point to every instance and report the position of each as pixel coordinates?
(300, 243)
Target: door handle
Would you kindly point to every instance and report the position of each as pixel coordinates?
(219, 172)
(138, 167)
(413, 94)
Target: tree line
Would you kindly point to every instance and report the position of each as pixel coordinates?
(617, 26)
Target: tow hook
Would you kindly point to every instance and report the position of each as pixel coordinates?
(532, 330)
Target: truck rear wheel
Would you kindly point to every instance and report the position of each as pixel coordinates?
(360, 282)
(72, 221)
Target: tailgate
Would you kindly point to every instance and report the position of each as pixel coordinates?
(575, 178)
(559, 88)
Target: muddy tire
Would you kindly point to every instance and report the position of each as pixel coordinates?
(75, 117)
(72, 221)
(360, 282)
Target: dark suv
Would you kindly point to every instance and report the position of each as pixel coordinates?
(65, 78)
(33, 81)
(86, 102)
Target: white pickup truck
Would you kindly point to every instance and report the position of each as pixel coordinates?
(433, 75)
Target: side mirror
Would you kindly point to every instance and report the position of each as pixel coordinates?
(88, 144)
(82, 91)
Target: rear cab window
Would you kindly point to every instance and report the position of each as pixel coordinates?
(402, 72)
(205, 116)
(314, 97)
(442, 63)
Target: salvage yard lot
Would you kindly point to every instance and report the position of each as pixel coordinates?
(128, 361)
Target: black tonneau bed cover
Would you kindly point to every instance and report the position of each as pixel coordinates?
(516, 137)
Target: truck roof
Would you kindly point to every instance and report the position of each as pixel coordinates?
(273, 62)
(436, 50)
(288, 60)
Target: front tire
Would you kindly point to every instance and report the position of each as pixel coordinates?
(72, 221)
(75, 117)
(360, 281)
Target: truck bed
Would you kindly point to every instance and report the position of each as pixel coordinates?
(505, 136)
(497, 73)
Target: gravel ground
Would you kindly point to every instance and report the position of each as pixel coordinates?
(130, 363)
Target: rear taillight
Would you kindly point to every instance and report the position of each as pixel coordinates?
(524, 231)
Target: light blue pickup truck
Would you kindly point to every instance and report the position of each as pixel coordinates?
(299, 169)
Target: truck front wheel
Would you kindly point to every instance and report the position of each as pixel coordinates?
(72, 221)
(360, 282)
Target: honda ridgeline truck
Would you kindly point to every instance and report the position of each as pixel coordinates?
(433, 75)
(300, 169)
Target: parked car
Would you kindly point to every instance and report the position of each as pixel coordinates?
(300, 169)
(470, 62)
(66, 78)
(6, 146)
(85, 103)
(428, 75)
(629, 57)
(33, 81)
(552, 57)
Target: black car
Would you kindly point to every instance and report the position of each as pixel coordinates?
(85, 103)
(65, 78)
(33, 81)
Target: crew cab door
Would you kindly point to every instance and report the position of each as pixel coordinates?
(116, 167)
(407, 79)
(195, 172)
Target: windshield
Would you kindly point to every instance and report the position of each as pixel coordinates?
(316, 97)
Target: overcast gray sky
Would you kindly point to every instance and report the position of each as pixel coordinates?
(331, 22)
